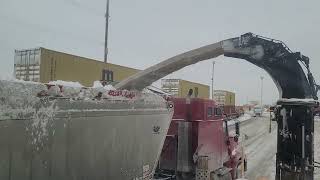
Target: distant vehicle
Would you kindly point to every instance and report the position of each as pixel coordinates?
(317, 111)
(257, 111)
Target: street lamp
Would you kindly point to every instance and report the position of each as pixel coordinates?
(212, 91)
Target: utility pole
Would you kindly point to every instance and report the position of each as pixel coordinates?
(106, 34)
(261, 93)
(212, 91)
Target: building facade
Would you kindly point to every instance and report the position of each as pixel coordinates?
(44, 65)
(180, 88)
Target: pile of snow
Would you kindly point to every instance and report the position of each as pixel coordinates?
(317, 118)
(97, 84)
(38, 102)
(66, 83)
(76, 91)
(7, 77)
(19, 101)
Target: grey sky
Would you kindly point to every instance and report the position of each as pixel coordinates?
(144, 32)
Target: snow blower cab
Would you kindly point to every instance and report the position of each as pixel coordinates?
(200, 143)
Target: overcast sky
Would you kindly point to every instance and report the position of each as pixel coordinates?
(144, 32)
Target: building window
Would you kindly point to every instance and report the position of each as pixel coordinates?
(196, 92)
(107, 75)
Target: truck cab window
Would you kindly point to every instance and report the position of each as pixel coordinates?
(210, 111)
(217, 112)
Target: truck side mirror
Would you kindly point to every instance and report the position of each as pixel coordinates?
(237, 126)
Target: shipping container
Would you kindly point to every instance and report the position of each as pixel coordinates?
(44, 65)
(180, 88)
(224, 98)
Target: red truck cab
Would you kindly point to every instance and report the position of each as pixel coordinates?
(198, 142)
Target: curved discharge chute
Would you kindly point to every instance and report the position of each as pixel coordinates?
(291, 74)
(273, 56)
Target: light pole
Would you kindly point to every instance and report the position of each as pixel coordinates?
(106, 33)
(261, 93)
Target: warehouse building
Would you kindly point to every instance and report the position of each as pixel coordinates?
(180, 88)
(44, 65)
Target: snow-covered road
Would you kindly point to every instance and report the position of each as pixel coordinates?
(317, 146)
(260, 147)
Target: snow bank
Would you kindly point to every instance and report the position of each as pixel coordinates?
(242, 118)
(245, 117)
(317, 118)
